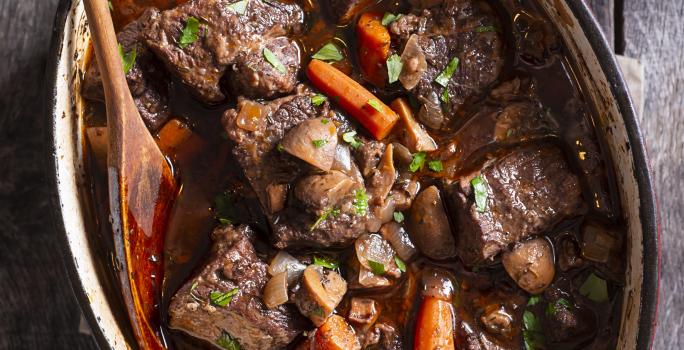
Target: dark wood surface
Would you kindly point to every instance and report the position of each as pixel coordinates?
(37, 307)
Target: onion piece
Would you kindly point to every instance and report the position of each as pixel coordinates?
(313, 141)
(598, 243)
(414, 63)
(370, 280)
(275, 291)
(283, 262)
(397, 236)
(373, 249)
(251, 116)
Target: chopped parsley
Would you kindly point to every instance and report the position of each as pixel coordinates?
(227, 342)
(280, 147)
(444, 97)
(319, 143)
(224, 210)
(128, 59)
(480, 190)
(552, 308)
(532, 332)
(595, 288)
(398, 216)
(418, 162)
(401, 265)
(534, 300)
(190, 32)
(192, 292)
(324, 216)
(451, 68)
(394, 67)
(486, 29)
(351, 139)
(388, 18)
(375, 104)
(274, 61)
(360, 202)
(239, 7)
(376, 267)
(325, 121)
(318, 99)
(326, 262)
(435, 165)
(329, 52)
(222, 299)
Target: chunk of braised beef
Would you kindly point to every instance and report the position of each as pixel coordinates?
(528, 191)
(564, 320)
(342, 11)
(225, 298)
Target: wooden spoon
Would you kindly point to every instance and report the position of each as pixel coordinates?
(141, 185)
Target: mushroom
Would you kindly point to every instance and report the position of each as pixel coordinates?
(497, 320)
(320, 293)
(414, 63)
(313, 141)
(429, 226)
(383, 176)
(324, 190)
(363, 311)
(417, 139)
(530, 264)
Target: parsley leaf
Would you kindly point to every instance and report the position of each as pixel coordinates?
(394, 67)
(274, 61)
(360, 201)
(401, 265)
(111, 7)
(326, 262)
(451, 68)
(595, 288)
(444, 97)
(388, 18)
(189, 33)
(227, 342)
(480, 189)
(329, 52)
(328, 212)
(398, 216)
(318, 99)
(436, 165)
(375, 104)
(418, 162)
(532, 335)
(552, 308)
(534, 300)
(351, 139)
(325, 121)
(224, 210)
(319, 143)
(486, 29)
(376, 267)
(239, 7)
(222, 299)
(128, 59)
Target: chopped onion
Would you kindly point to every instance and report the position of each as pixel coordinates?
(598, 243)
(368, 279)
(372, 247)
(414, 63)
(275, 291)
(251, 116)
(397, 236)
(283, 262)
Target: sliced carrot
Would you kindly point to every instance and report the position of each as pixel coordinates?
(336, 334)
(369, 110)
(374, 46)
(435, 325)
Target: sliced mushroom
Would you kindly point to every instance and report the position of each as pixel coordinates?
(277, 194)
(429, 225)
(530, 264)
(313, 141)
(320, 293)
(324, 190)
(383, 176)
(364, 311)
(417, 139)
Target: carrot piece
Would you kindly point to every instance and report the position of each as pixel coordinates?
(374, 46)
(372, 113)
(435, 325)
(335, 334)
(173, 134)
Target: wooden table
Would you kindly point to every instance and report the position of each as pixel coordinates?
(37, 308)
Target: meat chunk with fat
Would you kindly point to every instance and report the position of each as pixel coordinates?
(529, 190)
(204, 308)
(224, 33)
(146, 79)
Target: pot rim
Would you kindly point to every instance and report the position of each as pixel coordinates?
(649, 213)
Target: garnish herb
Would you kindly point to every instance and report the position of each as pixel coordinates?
(534, 300)
(444, 97)
(190, 32)
(418, 162)
(222, 299)
(274, 61)
(239, 7)
(326, 262)
(436, 165)
(552, 308)
(225, 212)
(398, 216)
(111, 7)
(376, 267)
(444, 77)
(128, 59)
(324, 216)
(319, 143)
(532, 336)
(360, 202)
(394, 67)
(227, 342)
(325, 121)
(223, 221)
(595, 288)
(192, 292)
(480, 189)
(351, 139)
(329, 52)
(280, 147)
(375, 104)
(401, 265)
(318, 99)
(388, 18)
(486, 29)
